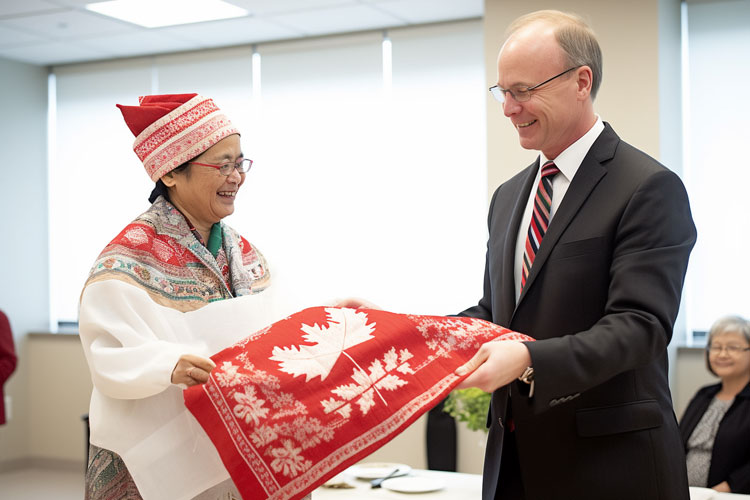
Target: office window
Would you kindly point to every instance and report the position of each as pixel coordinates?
(717, 107)
(369, 175)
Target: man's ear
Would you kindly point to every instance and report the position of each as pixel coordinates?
(585, 79)
(169, 179)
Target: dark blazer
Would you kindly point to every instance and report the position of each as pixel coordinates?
(601, 300)
(7, 359)
(730, 458)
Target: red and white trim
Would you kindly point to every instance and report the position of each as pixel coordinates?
(181, 135)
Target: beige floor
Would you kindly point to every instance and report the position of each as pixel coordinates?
(41, 484)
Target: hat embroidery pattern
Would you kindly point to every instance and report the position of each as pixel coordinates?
(180, 135)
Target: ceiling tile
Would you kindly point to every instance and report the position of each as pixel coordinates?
(9, 8)
(140, 43)
(13, 38)
(265, 7)
(53, 53)
(232, 32)
(338, 20)
(69, 25)
(429, 11)
(33, 30)
(74, 3)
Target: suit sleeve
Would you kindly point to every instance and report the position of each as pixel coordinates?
(652, 239)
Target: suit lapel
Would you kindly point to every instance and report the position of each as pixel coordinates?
(508, 297)
(585, 180)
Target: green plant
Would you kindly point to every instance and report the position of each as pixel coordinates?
(469, 405)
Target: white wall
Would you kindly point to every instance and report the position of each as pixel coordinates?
(61, 387)
(24, 295)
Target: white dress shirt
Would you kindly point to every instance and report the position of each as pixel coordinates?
(568, 162)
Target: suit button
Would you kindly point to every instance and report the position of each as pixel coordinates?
(500, 421)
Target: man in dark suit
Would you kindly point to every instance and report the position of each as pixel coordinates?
(585, 411)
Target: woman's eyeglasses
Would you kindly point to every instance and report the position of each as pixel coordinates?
(731, 349)
(242, 166)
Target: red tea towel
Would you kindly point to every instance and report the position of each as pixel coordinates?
(296, 403)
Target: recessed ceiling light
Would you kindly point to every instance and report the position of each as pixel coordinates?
(158, 13)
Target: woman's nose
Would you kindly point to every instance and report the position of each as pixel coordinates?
(234, 176)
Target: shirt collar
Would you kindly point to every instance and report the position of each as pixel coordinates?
(569, 160)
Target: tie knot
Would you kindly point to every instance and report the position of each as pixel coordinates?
(549, 169)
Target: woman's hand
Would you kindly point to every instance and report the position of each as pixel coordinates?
(192, 370)
(356, 303)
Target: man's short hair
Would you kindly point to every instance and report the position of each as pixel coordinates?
(574, 36)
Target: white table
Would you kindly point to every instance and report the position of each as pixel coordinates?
(457, 485)
(709, 494)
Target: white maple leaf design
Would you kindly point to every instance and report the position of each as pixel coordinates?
(346, 328)
(367, 384)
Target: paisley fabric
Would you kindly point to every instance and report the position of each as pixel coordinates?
(107, 478)
(293, 404)
(159, 253)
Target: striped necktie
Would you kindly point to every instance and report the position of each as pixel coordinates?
(539, 218)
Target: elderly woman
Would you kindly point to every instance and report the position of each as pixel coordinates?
(172, 266)
(716, 425)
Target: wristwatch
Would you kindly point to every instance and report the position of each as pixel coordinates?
(527, 377)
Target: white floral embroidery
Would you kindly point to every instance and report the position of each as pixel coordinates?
(445, 335)
(228, 376)
(250, 407)
(263, 435)
(288, 459)
(310, 432)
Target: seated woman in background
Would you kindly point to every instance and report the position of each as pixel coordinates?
(715, 428)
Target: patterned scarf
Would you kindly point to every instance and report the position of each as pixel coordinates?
(159, 253)
(301, 400)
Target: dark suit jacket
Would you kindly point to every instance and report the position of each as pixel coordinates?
(730, 458)
(601, 300)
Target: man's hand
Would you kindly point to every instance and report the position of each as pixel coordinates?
(192, 370)
(497, 363)
(722, 487)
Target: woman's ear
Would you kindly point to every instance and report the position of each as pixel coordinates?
(169, 179)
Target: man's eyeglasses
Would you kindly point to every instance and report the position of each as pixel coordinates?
(242, 166)
(731, 349)
(522, 93)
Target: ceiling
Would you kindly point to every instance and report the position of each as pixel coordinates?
(48, 32)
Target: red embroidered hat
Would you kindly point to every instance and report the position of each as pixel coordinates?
(171, 129)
